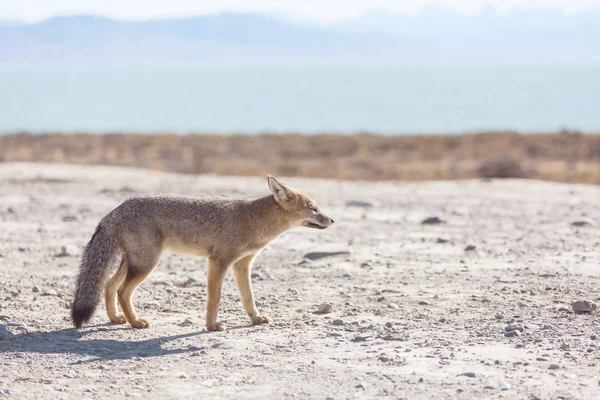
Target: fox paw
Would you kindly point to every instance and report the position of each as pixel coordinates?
(260, 319)
(217, 326)
(117, 319)
(141, 323)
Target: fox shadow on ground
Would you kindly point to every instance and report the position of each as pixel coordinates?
(72, 341)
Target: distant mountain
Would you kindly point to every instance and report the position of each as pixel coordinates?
(432, 36)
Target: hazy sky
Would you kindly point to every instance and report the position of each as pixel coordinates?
(324, 10)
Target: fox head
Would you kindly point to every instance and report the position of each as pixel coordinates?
(300, 208)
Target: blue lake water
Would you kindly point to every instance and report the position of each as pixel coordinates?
(298, 99)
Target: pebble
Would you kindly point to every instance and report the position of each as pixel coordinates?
(5, 333)
(514, 333)
(469, 374)
(498, 386)
(554, 366)
(335, 334)
(187, 322)
(470, 248)
(432, 221)
(70, 218)
(327, 251)
(424, 303)
(189, 283)
(360, 386)
(565, 346)
(67, 251)
(584, 306)
(514, 326)
(441, 241)
(581, 224)
(362, 338)
(362, 203)
(35, 289)
(49, 292)
(337, 322)
(378, 312)
(325, 308)
(499, 316)
(394, 306)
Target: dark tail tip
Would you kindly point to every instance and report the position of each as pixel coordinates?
(79, 315)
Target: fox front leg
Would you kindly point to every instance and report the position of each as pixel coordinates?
(241, 270)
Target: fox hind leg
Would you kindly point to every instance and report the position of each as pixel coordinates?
(110, 293)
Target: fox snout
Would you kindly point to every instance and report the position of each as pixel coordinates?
(321, 221)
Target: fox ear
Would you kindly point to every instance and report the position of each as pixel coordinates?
(279, 190)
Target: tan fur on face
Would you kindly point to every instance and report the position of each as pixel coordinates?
(229, 232)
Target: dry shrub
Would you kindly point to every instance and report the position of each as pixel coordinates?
(501, 167)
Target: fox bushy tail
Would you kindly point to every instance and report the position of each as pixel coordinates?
(98, 256)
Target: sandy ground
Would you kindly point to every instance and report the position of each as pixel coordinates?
(415, 314)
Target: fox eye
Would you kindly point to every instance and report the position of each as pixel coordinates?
(313, 209)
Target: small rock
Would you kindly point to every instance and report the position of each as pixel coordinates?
(498, 386)
(469, 374)
(432, 221)
(189, 283)
(335, 334)
(441, 241)
(49, 292)
(581, 224)
(67, 251)
(35, 289)
(70, 218)
(470, 248)
(377, 312)
(360, 386)
(384, 359)
(328, 251)
(325, 308)
(362, 203)
(362, 338)
(393, 306)
(187, 322)
(514, 326)
(5, 333)
(424, 303)
(554, 366)
(594, 337)
(584, 306)
(337, 322)
(531, 327)
(514, 333)
(499, 316)
(565, 346)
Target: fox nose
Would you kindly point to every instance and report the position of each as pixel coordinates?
(331, 220)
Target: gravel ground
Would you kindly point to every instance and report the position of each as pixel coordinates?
(476, 303)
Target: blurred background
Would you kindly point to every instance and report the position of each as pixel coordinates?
(354, 89)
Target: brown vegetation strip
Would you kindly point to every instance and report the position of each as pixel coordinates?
(564, 157)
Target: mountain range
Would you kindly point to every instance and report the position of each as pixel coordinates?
(432, 36)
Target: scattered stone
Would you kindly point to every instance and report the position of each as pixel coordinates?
(67, 251)
(584, 306)
(432, 221)
(362, 203)
(325, 308)
(377, 312)
(393, 306)
(594, 337)
(187, 322)
(581, 224)
(362, 338)
(35, 289)
(385, 359)
(469, 374)
(424, 303)
(554, 366)
(70, 218)
(328, 251)
(49, 292)
(514, 326)
(189, 283)
(514, 333)
(441, 241)
(531, 327)
(335, 334)
(565, 346)
(337, 322)
(498, 386)
(5, 333)
(398, 338)
(360, 386)
(470, 248)
(499, 316)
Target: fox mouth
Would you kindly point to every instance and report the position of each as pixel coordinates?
(313, 225)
